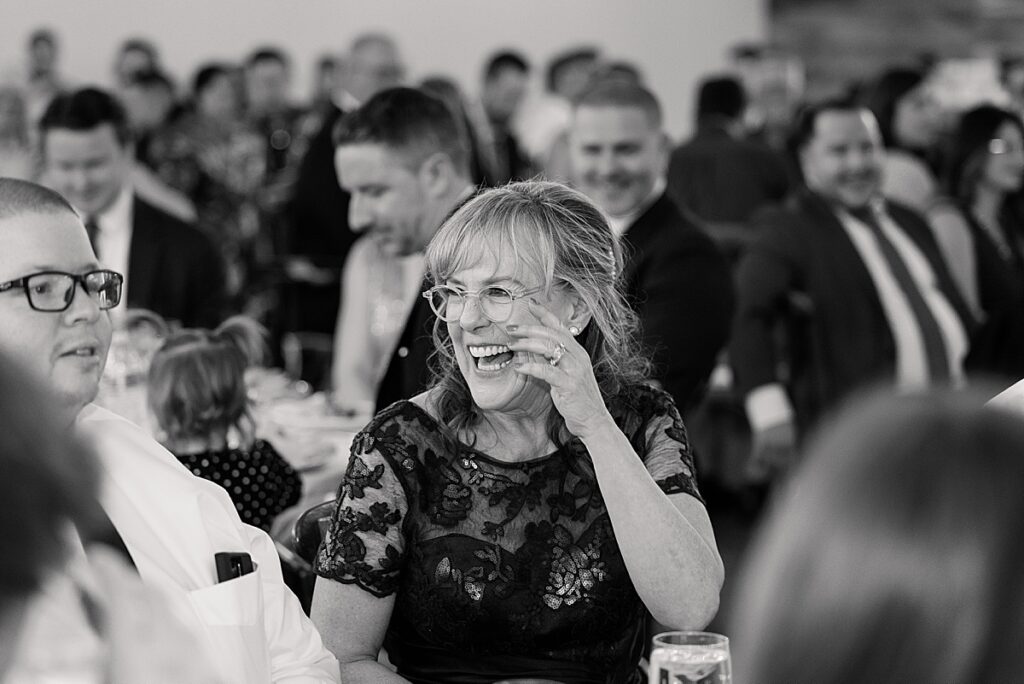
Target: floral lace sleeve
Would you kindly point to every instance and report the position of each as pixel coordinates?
(365, 544)
(667, 454)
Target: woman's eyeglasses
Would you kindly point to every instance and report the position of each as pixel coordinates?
(496, 302)
(55, 290)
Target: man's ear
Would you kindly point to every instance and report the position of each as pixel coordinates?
(436, 174)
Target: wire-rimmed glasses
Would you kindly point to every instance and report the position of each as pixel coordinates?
(448, 302)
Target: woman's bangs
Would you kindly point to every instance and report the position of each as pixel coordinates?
(475, 239)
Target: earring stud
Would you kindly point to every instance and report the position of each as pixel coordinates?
(573, 330)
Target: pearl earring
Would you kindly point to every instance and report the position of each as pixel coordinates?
(573, 330)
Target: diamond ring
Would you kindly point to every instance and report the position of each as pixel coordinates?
(557, 354)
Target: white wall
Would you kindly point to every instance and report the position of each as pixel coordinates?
(673, 41)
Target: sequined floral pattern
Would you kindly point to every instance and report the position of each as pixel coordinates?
(489, 558)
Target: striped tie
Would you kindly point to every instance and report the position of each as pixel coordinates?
(931, 333)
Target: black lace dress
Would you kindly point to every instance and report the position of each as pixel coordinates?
(499, 570)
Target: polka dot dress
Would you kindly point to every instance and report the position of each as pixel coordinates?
(259, 481)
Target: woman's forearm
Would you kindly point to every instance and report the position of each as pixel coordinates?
(669, 549)
(369, 672)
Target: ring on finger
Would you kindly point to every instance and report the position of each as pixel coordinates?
(557, 354)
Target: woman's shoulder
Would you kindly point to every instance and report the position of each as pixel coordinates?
(407, 416)
(644, 400)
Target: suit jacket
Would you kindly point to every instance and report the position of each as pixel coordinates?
(721, 178)
(408, 371)
(842, 340)
(174, 269)
(679, 284)
(318, 218)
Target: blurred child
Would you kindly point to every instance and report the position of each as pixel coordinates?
(199, 400)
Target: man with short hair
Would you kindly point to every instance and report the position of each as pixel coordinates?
(875, 299)
(506, 76)
(169, 266)
(675, 277)
(54, 321)
(718, 174)
(318, 235)
(404, 160)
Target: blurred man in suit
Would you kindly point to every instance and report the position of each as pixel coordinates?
(506, 76)
(875, 300)
(169, 266)
(675, 277)
(318, 235)
(718, 174)
(404, 159)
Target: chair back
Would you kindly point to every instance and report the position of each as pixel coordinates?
(310, 528)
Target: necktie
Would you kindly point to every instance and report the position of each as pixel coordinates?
(92, 229)
(931, 333)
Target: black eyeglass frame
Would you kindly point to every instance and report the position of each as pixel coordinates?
(429, 296)
(76, 278)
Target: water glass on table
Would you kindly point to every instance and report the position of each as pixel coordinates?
(690, 658)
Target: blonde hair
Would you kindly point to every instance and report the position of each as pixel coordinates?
(558, 233)
(196, 383)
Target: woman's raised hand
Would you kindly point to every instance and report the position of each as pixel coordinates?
(568, 371)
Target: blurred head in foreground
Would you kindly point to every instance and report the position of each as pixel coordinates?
(895, 554)
(46, 484)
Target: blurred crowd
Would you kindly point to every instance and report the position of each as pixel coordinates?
(783, 257)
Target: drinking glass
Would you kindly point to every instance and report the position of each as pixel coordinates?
(690, 658)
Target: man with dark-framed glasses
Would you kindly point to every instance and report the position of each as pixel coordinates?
(55, 300)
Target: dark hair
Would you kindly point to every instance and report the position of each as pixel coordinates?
(721, 97)
(567, 60)
(560, 235)
(621, 94)
(19, 197)
(48, 480)
(196, 382)
(206, 75)
(267, 54)
(150, 79)
(42, 35)
(882, 96)
(501, 61)
(141, 45)
(900, 532)
(969, 148)
(807, 119)
(84, 110)
(622, 71)
(408, 121)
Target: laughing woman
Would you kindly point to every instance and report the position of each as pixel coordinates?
(522, 517)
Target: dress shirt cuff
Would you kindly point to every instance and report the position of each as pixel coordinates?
(768, 406)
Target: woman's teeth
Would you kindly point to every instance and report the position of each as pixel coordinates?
(491, 357)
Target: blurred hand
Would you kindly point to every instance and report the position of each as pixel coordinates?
(773, 451)
(146, 641)
(303, 270)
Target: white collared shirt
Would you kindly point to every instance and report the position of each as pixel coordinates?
(911, 358)
(620, 224)
(769, 405)
(114, 240)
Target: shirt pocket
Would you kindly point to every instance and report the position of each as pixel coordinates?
(231, 614)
